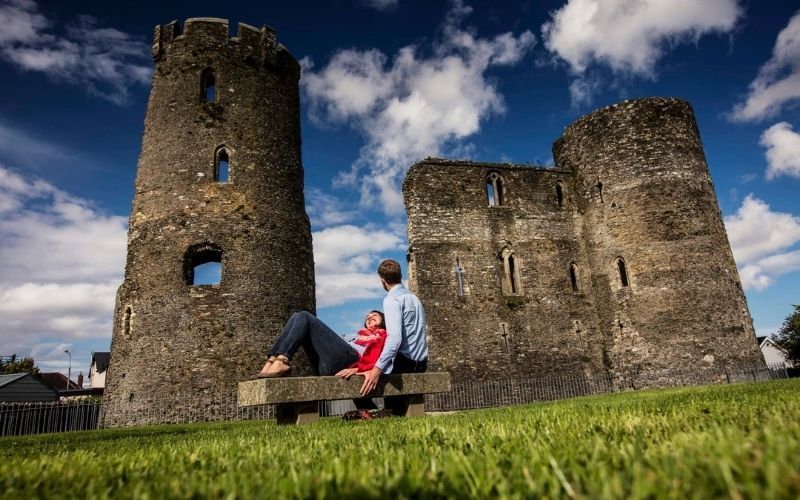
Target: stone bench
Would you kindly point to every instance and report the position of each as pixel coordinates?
(297, 398)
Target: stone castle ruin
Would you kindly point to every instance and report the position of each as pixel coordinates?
(616, 260)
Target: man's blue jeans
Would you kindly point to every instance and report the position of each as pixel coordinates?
(326, 350)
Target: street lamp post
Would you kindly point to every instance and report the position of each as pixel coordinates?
(69, 372)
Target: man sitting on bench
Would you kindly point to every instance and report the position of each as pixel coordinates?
(406, 348)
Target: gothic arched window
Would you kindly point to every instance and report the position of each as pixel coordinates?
(221, 165)
(511, 272)
(560, 194)
(208, 85)
(622, 272)
(495, 191)
(574, 277)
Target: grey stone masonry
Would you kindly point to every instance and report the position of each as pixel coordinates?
(216, 101)
(615, 260)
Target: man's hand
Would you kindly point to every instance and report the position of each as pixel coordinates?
(347, 373)
(370, 380)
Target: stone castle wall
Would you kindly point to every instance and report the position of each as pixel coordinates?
(173, 337)
(634, 187)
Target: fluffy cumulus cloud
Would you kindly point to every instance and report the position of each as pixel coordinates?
(629, 36)
(60, 264)
(783, 150)
(106, 61)
(763, 242)
(411, 105)
(778, 81)
(346, 258)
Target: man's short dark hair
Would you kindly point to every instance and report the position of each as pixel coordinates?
(390, 271)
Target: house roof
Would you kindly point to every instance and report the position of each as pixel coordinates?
(760, 340)
(57, 381)
(7, 379)
(101, 360)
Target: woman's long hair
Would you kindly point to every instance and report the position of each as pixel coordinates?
(382, 324)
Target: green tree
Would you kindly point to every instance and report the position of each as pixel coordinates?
(19, 365)
(789, 335)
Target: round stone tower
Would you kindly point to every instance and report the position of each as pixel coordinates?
(219, 183)
(667, 290)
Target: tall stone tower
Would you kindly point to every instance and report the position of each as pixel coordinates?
(219, 180)
(666, 287)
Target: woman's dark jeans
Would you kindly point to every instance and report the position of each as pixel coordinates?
(326, 350)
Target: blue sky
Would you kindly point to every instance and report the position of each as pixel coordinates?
(385, 83)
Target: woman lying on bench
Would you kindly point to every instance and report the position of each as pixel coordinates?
(329, 353)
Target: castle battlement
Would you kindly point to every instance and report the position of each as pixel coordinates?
(259, 45)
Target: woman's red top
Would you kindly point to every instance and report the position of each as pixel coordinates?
(373, 340)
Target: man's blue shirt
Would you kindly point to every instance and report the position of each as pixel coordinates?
(405, 328)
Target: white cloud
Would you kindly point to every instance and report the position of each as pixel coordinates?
(106, 61)
(762, 242)
(783, 150)
(347, 258)
(381, 4)
(326, 210)
(60, 264)
(412, 106)
(629, 36)
(778, 80)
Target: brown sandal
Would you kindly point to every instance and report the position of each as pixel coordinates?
(283, 359)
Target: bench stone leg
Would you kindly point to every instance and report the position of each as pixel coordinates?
(297, 413)
(406, 406)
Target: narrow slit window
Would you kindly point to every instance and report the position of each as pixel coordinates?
(504, 337)
(495, 190)
(209, 85)
(573, 277)
(623, 273)
(126, 321)
(203, 265)
(459, 271)
(512, 271)
(560, 195)
(221, 169)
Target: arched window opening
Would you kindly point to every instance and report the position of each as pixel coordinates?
(560, 195)
(573, 277)
(622, 272)
(221, 166)
(126, 321)
(511, 272)
(209, 85)
(494, 190)
(203, 265)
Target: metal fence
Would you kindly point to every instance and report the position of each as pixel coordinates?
(32, 418)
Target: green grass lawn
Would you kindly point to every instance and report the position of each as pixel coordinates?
(739, 441)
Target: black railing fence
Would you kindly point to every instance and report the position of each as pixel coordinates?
(53, 416)
(33, 418)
